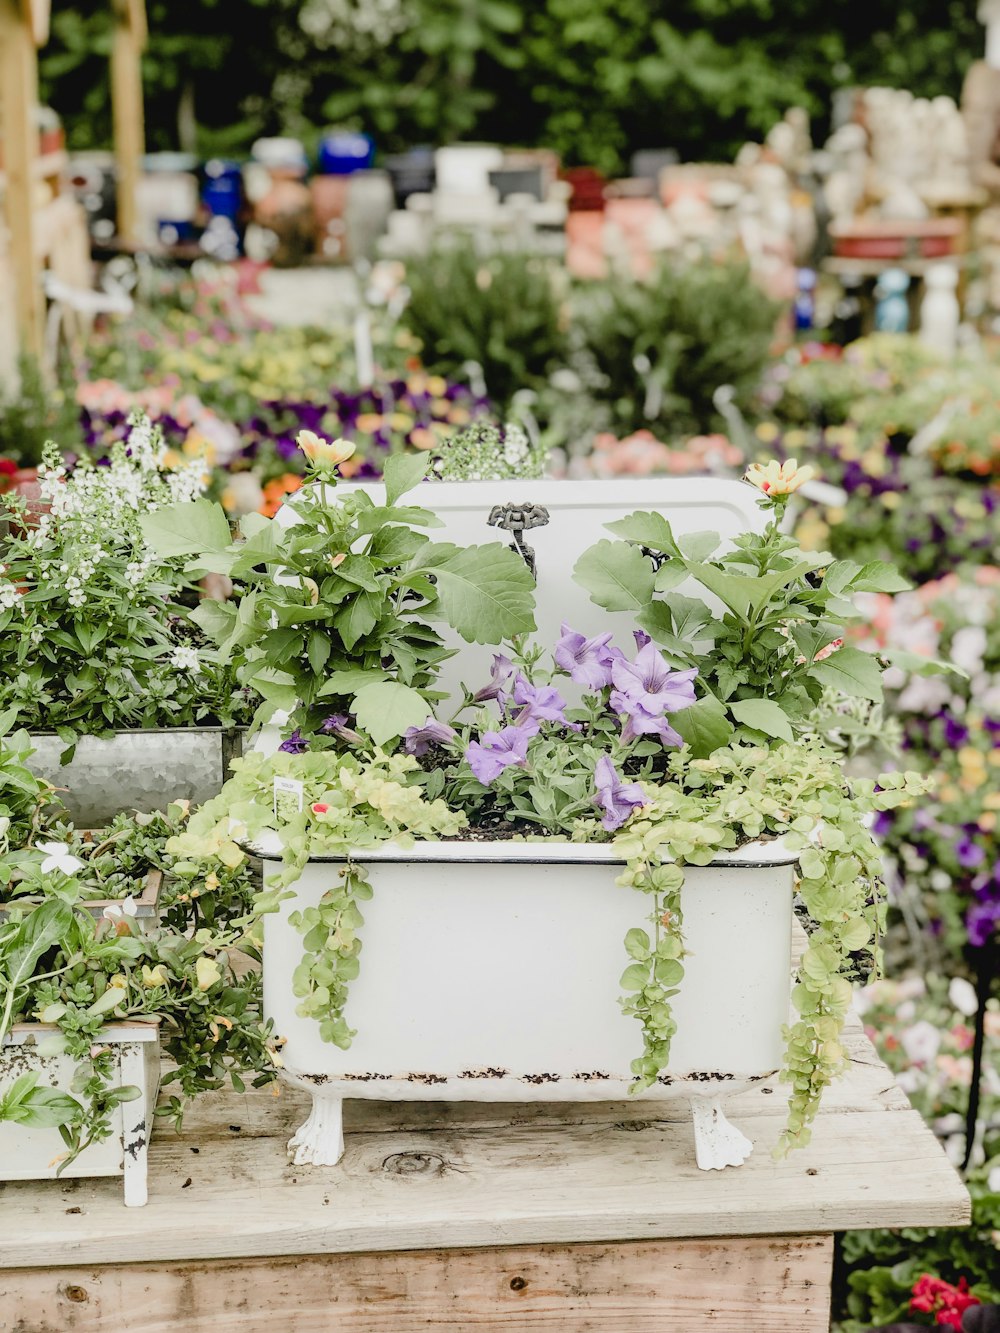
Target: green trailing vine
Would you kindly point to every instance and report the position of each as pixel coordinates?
(797, 793)
(331, 946)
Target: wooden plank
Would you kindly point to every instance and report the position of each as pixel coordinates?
(752, 1285)
(477, 1185)
(128, 114)
(18, 101)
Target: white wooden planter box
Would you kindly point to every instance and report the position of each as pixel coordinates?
(490, 971)
(32, 1154)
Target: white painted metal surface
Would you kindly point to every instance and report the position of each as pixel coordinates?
(33, 1154)
(489, 972)
(578, 512)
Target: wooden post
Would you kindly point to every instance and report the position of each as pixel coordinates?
(127, 109)
(22, 26)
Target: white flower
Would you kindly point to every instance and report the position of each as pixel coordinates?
(909, 1080)
(968, 648)
(993, 1180)
(119, 911)
(59, 857)
(963, 996)
(185, 659)
(921, 1042)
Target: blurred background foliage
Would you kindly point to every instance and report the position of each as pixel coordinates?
(594, 79)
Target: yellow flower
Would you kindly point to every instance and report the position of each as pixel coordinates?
(323, 453)
(208, 973)
(767, 432)
(212, 882)
(154, 976)
(776, 478)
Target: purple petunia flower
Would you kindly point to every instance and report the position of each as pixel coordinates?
(537, 704)
(418, 740)
(646, 690)
(499, 675)
(616, 798)
(497, 750)
(587, 661)
(296, 743)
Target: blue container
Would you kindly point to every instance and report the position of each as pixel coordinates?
(340, 154)
(222, 193)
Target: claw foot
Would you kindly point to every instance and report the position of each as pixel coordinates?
(717, 1143)
(320, 1140)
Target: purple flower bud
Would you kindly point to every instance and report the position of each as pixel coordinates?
(418, 740)
(616, 798)
(296, 743)
(500, 674)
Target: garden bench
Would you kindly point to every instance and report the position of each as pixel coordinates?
(476, 1216)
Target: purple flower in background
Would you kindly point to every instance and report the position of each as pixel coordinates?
(499, 675)
(537, 704)
(641, 638)
(418, 740)
(296, 743)
(616, 798)
(955, 734)
(587, 661)
(336, 725)
(882, 823)
(497, 750)
(980, 921)
(969, 854)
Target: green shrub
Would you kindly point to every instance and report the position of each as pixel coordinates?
(691, 328)
(500, 310)
(33, 412)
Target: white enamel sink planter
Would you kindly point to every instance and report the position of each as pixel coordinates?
(489, 972)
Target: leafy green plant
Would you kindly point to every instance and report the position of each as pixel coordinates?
(95, 632)
(23, 796)
(764, 664)
(335, 608)
(73, 968)
(33, 412)
(499, 310)
(666, 344)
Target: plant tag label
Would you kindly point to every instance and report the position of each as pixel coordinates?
(289, 797)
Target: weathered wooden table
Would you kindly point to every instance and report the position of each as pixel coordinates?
(466, 1216)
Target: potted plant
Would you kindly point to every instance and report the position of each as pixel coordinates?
(490, 846)
(92, 987)
(128, 704)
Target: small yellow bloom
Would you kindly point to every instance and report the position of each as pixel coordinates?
(767, 432)
(212, 882)
(890, 499)
(324, 453)
(154, 976)
(776, 478)
(208, 973)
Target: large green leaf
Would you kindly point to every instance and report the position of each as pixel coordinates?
(705, 726)
(195, 528)
(386, 709)
(851, 671)
(357, 618)
(763, 715)
(617, 576)
(486, 593)
(401, 473)
(648, 529)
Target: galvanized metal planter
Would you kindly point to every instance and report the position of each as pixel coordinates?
(490, 972)
(137, 770)
(28, 1153)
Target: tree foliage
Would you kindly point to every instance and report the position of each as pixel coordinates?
(595, 79)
